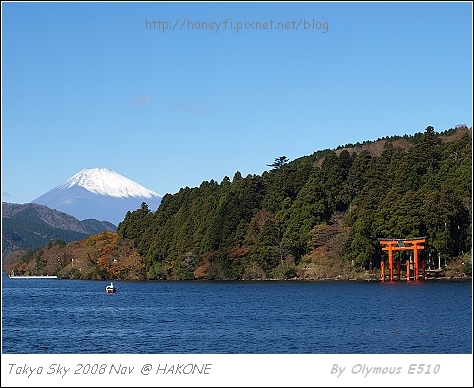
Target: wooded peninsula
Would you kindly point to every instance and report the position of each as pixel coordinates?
(315, 217)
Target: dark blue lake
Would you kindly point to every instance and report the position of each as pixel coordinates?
(152, 317)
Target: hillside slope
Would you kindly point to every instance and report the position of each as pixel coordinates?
(31, 226)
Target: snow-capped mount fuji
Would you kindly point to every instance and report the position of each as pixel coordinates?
(107, 182)
(99, 193)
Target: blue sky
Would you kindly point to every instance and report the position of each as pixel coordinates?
(87, 85)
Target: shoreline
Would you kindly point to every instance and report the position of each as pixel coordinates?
(315, 280)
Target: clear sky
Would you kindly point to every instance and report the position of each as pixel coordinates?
(93, 85)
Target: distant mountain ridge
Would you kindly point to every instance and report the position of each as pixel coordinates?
(99, 193)
(32, 225)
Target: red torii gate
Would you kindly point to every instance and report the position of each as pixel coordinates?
(397, 244)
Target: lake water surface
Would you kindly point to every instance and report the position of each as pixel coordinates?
(285, 317)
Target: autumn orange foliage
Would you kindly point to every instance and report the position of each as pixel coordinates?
(100, 256)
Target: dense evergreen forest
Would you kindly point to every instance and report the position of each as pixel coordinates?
(314, 217)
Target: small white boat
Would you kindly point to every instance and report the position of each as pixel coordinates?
(110, 289)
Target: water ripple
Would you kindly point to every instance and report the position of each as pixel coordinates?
(61, 316)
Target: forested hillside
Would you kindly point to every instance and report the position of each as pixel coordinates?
(321, 211)
(31, 225)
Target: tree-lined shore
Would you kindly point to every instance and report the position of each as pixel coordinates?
(316, 217)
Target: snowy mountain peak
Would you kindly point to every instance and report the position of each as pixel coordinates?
(103, 181)
(99, 193)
